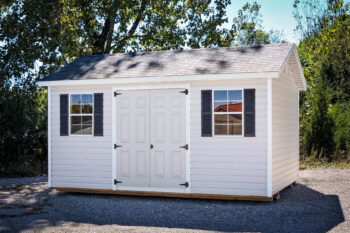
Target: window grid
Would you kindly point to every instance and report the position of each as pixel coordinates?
(227, 101)
(81, 114)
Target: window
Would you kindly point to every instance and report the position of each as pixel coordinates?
(227, 111)
(81, 112)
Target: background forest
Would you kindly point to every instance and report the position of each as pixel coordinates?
(39, 36)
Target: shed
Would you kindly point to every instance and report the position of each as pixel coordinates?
(206, 123)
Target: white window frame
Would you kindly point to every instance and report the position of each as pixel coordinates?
(226, 113)
(81, 114)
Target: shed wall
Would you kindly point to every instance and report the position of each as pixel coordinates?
(219, 165)
(285, 132)
(81, 161)
(226, 164)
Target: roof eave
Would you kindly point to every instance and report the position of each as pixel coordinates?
(294, 51)
(184, 78)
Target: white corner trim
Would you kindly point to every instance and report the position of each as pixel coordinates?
(49, 136)
(269, 138)
(162, 79)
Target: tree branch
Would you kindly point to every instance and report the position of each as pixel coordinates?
(111, 18)
(133, 28)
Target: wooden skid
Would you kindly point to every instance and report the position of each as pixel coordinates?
(166, 194)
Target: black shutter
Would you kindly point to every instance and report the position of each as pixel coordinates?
(64, 115)
(206, 102)
(249, 112)
(98, 114)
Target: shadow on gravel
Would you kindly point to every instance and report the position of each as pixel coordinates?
(300, 209)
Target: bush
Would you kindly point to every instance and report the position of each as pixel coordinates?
(23, 132)
(341, 117)
(318, 136)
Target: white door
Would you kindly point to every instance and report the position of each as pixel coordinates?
(167, 135)
(151, 128)
(133, 137)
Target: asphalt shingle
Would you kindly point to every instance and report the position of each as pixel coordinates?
(245, 59)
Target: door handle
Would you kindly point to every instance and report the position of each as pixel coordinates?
(151, 146)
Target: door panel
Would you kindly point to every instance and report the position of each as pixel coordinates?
(167, 134)
(133, 135)
(154, 117)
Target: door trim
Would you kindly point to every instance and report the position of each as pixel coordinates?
(187, 125)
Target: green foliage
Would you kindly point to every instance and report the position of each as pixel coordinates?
(325, 56)
(341, 115)
(318, 135)
(23, 135)
(39, 36)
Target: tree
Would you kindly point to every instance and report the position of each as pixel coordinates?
(39, 36)
(324, 52)
(247, 27)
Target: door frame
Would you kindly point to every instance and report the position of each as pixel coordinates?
(114, 135)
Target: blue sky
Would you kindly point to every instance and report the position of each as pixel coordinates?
(276, 14)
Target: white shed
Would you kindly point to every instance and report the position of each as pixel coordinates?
(207, 123)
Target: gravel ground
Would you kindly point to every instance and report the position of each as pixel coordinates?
(319, 202)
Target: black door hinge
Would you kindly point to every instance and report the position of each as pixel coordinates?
(184, 147)
(185, 184)
(185, 92)
(117, 182)
(116, 146)
(116, 93)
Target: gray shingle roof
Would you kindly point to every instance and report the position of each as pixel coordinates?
(253, 59)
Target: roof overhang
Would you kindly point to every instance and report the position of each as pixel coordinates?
(297, 70)
(184, 78)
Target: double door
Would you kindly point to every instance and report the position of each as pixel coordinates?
(151, 136)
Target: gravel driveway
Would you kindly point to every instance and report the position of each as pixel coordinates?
(319, 202)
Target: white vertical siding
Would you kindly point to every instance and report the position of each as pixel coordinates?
(229, 165)
(81, 161)
(285, 132)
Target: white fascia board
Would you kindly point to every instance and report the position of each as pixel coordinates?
(294, 51)
(300, 71)
(159, 79)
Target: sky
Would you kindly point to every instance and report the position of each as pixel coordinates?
(276, 14)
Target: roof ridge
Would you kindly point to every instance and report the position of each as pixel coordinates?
(190, 49)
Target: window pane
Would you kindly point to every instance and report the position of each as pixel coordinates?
(87, 108)
(220, 95)
(220, 119)
(75, 109)
(235, 119)
(235, 129)
(87, 99)
(220, 129)
(86, 129)
(235, 95)
(75, 99)
(75, 120)
(75, 129)
(220, 106)
(235, 106)
(87, 120)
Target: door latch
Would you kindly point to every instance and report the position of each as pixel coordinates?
(185, 184)
(117, 182)
(116, 146)
(184, 147)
